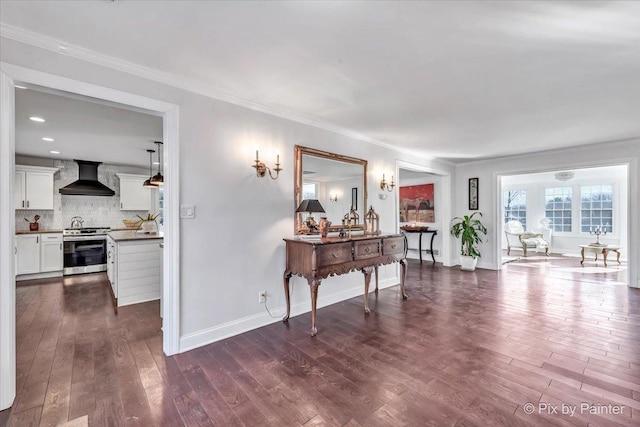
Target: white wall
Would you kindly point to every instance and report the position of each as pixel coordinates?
(534, 185)
(233, 248)
(625, 152)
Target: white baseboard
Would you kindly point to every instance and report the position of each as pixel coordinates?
(39, 275)
(245, 324)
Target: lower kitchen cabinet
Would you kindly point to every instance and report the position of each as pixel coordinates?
(51, 252)
(38, 253)
(27, 254)
(134, 270)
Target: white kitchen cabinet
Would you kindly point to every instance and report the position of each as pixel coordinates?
(27, 254)
(33, 187)
(38, 253)
(133, 196)
(112, 259)
(51, 253)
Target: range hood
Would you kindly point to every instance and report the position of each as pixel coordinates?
(87, 183)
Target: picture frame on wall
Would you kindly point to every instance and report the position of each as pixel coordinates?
(417, 203)
(473, 194)
(354, 198)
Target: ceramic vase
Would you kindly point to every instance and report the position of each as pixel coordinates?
(324, 226)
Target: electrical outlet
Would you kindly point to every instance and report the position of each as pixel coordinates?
(262, 296)
(436, 252)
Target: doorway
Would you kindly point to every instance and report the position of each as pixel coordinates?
(562, 211)
(423, 200)
(170, 290)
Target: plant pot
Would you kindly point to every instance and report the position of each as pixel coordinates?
(468, 263)
(34, 226)
(148, 227)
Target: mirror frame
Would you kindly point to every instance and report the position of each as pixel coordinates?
(299, 151)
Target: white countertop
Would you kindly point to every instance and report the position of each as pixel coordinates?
(128, 235)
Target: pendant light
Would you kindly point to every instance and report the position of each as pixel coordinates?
(158, 179)
(148, 183)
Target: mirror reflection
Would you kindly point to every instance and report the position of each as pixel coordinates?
(337, 182)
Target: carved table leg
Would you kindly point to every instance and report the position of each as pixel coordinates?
(313, 286)
(582, 255)
(604, 255)
(403, 277)
(618, 258)
(376, 271)
(286, 277)
(367, 280)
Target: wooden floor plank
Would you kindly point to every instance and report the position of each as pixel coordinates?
(466, 349)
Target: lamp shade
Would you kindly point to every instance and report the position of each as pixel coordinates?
(148, 184)
(310, 205)
(157, 179)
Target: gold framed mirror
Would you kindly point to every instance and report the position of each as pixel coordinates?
(337, 182)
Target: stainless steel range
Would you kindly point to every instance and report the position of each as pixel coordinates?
(85, 249)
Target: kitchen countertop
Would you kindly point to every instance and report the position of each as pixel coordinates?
(129, 235)
(43, 231)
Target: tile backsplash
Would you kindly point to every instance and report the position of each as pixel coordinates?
(96, 211)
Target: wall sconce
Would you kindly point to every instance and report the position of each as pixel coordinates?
(385, 186)
(333, 197)
(261, 168)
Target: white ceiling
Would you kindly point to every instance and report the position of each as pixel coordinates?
(84, 129)
(604, 174)
(455, 80)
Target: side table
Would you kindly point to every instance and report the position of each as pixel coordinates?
(597, 250)
(420, 229)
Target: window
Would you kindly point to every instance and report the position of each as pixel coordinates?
(596, 208)
(160, 217)
(557, 203)
(309, 190)
(515, 206)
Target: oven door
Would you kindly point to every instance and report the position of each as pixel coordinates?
(84, 254)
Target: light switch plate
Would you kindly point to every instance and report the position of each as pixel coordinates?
(187, 211)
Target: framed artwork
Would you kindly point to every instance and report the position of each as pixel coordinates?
(417, 203)
(354, 198)
(473, 194)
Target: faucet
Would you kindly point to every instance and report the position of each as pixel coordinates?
(76, 222)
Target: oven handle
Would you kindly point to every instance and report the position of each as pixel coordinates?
(82, 238)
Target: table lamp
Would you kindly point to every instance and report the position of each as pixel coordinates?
(310, 206)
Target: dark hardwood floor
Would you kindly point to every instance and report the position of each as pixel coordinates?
(466, 349)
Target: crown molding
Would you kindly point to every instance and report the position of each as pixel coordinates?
(191, 85)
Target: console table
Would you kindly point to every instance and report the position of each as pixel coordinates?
(318, 258)
(421, 230)
(604, 250)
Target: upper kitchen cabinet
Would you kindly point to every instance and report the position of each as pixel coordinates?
(133, 196)
(33, 187)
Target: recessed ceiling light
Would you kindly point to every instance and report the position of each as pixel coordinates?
(48, 139)
(54, 152)
(19, 87)
(156, 163)
(36, 119)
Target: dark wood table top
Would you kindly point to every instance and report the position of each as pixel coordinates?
(415, 228)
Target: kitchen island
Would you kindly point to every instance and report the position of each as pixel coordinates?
(134, 266)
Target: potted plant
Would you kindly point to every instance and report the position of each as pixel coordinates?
(33, 226)
(148, 224)
(469, 230)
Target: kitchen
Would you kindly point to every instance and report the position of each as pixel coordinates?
(88, 193)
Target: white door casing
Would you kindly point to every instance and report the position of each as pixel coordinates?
(171, 273)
